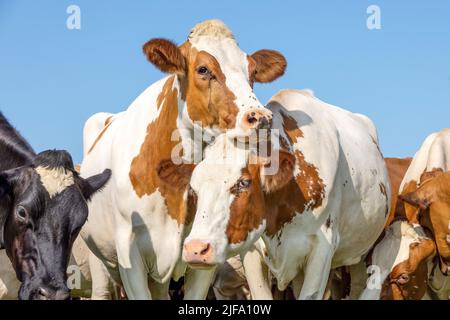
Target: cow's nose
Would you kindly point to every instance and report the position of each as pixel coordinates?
(198, 253)
(260, 118)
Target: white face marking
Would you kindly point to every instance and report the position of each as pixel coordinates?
(55, 180)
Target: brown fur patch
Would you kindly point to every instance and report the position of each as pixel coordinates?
(405, 210)
(108, 122)
(436, 217)
(397, 168)
(291, 128)
(429, 206)
(208, 99)
(247, 208)
(267, 65)
(165, 55)
(158, 146)
(304, 192)
(165, 91)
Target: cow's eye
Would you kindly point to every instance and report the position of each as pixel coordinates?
(203, 71)
(21, 213)
(243, 184)
(403, 279)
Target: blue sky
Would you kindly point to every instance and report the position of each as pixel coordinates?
(52, 78)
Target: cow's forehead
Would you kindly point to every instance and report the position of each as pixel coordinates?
(226, 51)
(223, 164)
(55, 180)
(215, 176)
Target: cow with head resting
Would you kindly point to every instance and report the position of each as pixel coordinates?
(209, 90)
(421, 267)
(323, 208)
(401, 258)
(43, 205)
(429, 206)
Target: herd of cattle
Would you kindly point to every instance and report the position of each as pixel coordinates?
(152, 206)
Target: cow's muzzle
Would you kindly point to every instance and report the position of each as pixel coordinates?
(260, 118)
(198, 254)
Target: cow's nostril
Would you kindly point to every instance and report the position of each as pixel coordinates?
(252, 119)
(206, 249)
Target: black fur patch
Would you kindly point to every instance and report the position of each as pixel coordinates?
(54, 159)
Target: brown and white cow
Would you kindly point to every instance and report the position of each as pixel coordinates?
(399, 263)
(424, 191)
(323, 208)
(432, 203)
(137, 227)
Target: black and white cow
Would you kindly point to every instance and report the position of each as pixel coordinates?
(42, 208)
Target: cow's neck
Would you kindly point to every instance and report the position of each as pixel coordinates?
(305, 191)
(159, 144)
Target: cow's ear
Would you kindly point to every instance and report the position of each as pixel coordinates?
(175, 176)
(415, 199)
(279, 172)
(165, 55)
(269, 65)
(93, 184)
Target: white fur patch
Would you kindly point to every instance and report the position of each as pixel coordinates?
(211, 28)
(55, 180)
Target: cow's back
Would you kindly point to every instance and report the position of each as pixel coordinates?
(343, 147)
(433, 155)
